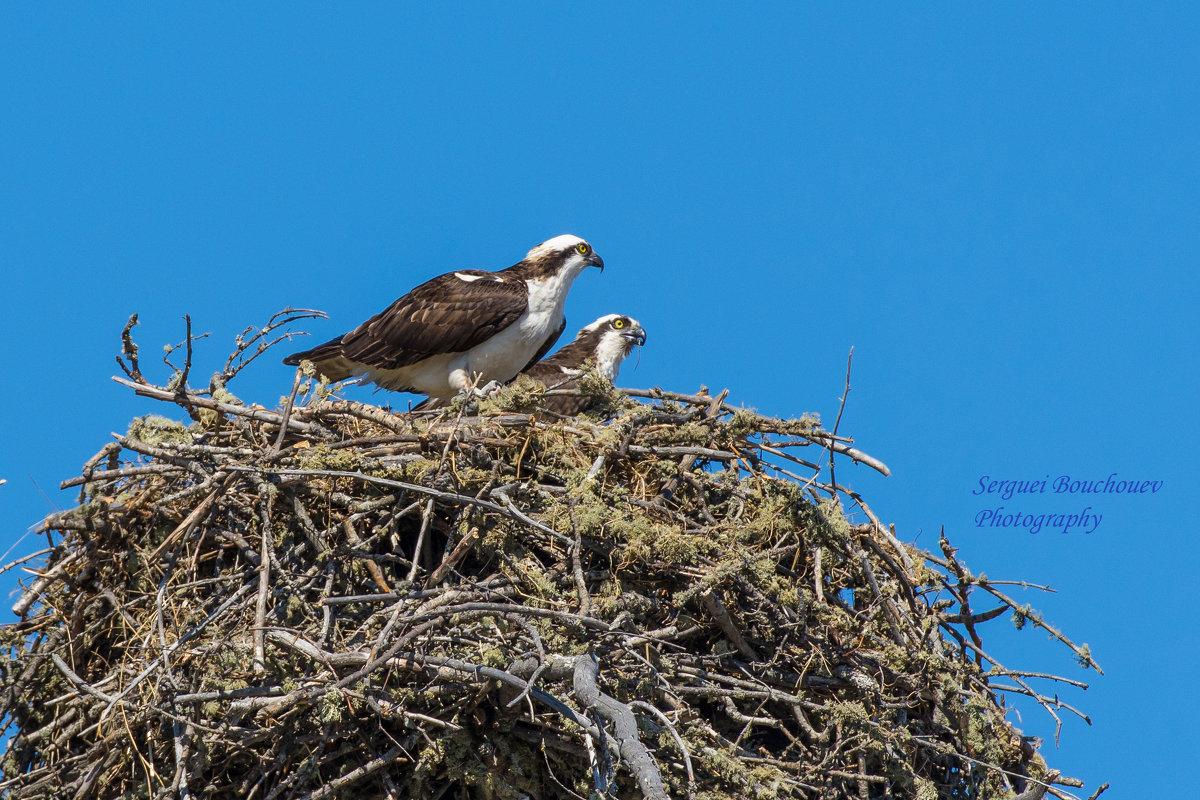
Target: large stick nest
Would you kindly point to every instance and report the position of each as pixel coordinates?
(666, 598)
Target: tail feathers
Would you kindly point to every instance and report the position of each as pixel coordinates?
(431, 404)
(322, 352)
(328, 360)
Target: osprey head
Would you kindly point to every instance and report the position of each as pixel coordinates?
(619, 327)
(563, 252)
(613, 337)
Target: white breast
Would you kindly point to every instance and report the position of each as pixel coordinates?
(609, 354)
(505, 354)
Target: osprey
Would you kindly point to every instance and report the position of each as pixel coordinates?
(464, 328)
(604, 343)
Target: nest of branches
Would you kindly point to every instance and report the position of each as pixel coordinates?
(670, 597)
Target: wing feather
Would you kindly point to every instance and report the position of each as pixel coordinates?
(444, 315)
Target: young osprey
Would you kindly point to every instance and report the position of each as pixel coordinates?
(462, 326)
(604, 343)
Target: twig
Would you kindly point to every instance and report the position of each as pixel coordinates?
(581, 590)
(836, 424)
(130, 350)
(239, 359)
(306, 428)
(266, 500)
(354, 776)
(426, 520)
(683, 751)
(287, 410)
(633, 752)
(453, 557)
(721, 614)
(187, 361)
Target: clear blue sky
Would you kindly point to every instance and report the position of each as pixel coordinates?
(997, 207)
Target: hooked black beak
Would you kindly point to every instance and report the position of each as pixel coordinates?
(594, 260)
(637, 335)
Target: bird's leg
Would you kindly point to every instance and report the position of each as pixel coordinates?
(488, 389)
(470, 390)
(473, 389)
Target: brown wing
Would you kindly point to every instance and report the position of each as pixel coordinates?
(550, 374)
(546, 373)
(442, 315)
(571, 356)
(565, 404)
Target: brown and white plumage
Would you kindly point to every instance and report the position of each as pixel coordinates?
(605, 344)
(463, 328)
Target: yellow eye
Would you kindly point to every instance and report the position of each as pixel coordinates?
(582, 248)
(618, 323)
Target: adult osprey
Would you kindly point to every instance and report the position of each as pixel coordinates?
(604, 343)
(463, 328)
